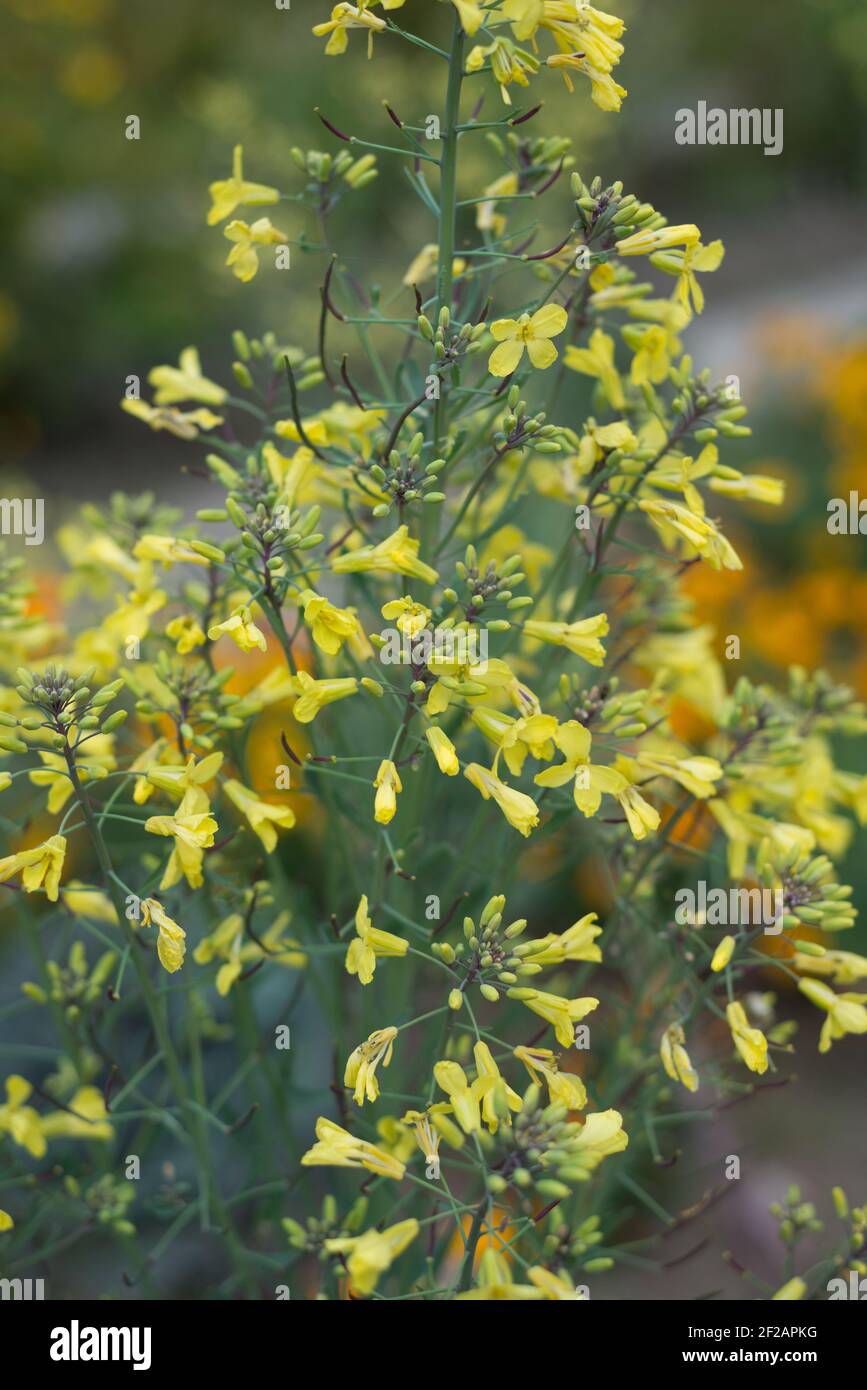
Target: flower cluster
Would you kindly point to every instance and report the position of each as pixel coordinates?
(512, 462)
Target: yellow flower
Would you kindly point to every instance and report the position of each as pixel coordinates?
(388, 784)
(588, 41)
(606, 93)
(53, 773)
(361, 1067)
(338, 1148)
(576, 943)
(843, 967)
(515, 738)
(696, 774)
(846, 1012)
(171, 944)
(371, 1254)
(791, 1292)
(185, 382)
(495, 1283)
(167, 550)
(410, 617)
(508, 64)
(597, 360)
(751, 1043)
(40, 867)
(592, 781)
(193, 831)
(88, 902)
(498, 1098)
(564, 1087)
(675, 1058)
(242, 630)
(601, 1135)
(643, 242)
(343, 18)
(433, 1124)
(464, 1097)
(183, 780)
(329, 626)
(313, 694)
(6, 1222)
(555, 1287)
(471, 15)
(185, 633)
(243, 257)
(723, 954)
(688, 292)
(85, 1118)
(581, 638)
(227, 194)
(700, 535)
(231, 943)
(533, 332)
(369, 944)
(397, 554)
(562, 1014)
(423, 266)
(519, 809)
(21, 1122)
(443, 750)
(261, 815)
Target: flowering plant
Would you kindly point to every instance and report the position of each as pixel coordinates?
(293, 903)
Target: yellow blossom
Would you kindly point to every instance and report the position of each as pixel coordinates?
(597, 360)
(171, 943)
(183, 424)
(193, 831)
(519, 809)
(371, 1254)
(723, 954)
(329, 626)
(443, 750)
(409, 617)
(262, 816)
(338, 1148)
(846, 1013)
(314, 694)
(185, 633)
(242, 630)
(751, 1043)
(388, 784)
(360, 1071)
(532, 332)
(244, 257)
(581, 638)
(675, 1058)
(497, 1096)
(40, 868)
(343, 18)
(185, 382)
(397, 554)
(562, 1014)
(21, 1122)
(643, 242)
(564, 1087)
(369, 944)
(227, 194)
